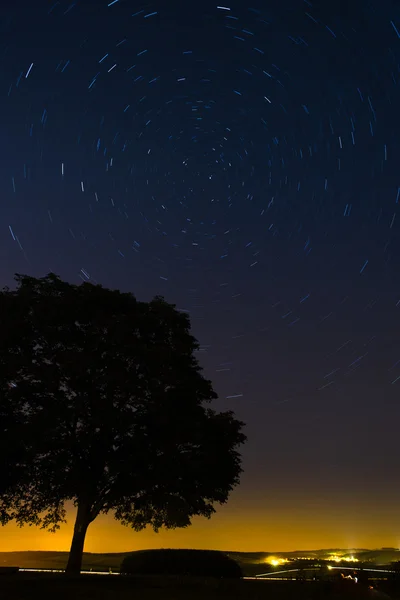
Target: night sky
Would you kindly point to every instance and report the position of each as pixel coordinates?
(242, 161)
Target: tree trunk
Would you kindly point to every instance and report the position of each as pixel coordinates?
(82, 522)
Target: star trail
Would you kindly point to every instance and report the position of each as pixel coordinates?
(242, 161)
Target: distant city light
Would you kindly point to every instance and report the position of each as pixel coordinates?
(338, 558)
(276, 562)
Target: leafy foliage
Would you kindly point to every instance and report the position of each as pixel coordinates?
(107, 399)
(195, 563)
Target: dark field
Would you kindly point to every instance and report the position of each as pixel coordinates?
(35, 586)
(56, 586)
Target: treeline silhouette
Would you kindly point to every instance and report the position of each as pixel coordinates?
(194, 563)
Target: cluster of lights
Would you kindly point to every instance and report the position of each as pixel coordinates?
(276, 562)
(337, 558)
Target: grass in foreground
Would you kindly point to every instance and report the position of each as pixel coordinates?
(38, 586)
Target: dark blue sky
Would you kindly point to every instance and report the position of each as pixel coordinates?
(243, 163)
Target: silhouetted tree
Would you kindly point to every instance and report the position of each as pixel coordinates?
(17, 440)
(10, 453)
(112, 398)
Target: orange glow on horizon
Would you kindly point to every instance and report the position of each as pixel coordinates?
(233, 527)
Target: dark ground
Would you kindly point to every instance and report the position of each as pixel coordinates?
(29, 586)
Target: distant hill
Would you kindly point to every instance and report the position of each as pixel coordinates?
(252, 563)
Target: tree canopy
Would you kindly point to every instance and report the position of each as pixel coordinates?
(113, 412)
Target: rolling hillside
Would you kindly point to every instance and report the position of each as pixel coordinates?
(252, 563)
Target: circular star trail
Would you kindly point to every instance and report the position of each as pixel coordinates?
(242, 162)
